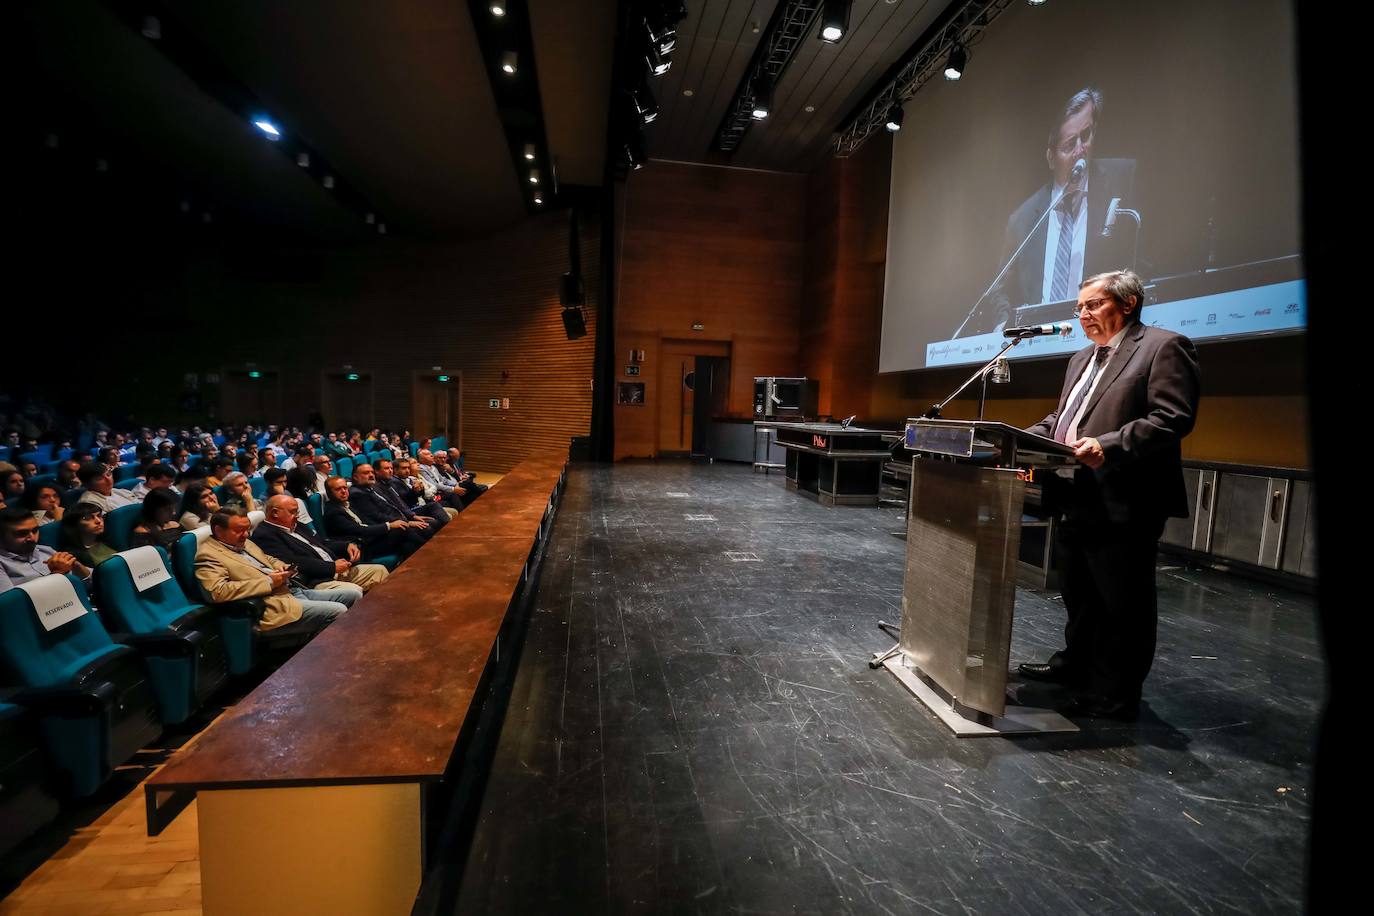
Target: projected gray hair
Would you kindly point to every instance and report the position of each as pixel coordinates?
(1076, 103)
(1123, 286)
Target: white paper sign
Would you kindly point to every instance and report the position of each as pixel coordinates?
(146, 567)
(54, 600)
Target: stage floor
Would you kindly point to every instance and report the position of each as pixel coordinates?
(694, 727)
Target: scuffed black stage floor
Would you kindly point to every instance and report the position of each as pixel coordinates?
(695, 731)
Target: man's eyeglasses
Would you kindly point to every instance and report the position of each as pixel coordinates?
(1085, 137)
(1091, 305)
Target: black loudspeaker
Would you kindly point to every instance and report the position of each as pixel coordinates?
(574, 323)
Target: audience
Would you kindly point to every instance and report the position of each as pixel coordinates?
(230, 567)
(198, 505)
(323, 563)
(83, 525)
(445, 487)
(66, 475)
(44, 500)
(375, 504)
(156, 477)
(21, 556)
(237, 492)
(11, 487)
(157, 521)
(377, 538)
(403, 496)
(100, 489)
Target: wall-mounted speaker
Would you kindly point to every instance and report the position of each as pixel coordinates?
(574, 323)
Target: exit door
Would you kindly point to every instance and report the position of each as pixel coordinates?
(437, 406)
(684, 417)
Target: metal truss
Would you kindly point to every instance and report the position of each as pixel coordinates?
(786, 32)
(962, 27)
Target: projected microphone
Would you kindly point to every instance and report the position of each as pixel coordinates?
(1062, 328)
(1079, 168)
(1111, 217)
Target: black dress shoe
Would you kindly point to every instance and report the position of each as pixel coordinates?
(1093, 707)
(1047, 673)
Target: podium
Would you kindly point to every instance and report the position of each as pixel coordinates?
(968, 481)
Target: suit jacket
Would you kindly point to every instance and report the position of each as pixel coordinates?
(228, 576)
(343, 522)
(1024, 283)
(275, 541)
(378, 503)
(1144, 404)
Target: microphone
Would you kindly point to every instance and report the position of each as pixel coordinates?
(1062, 328)
(1079, 168)
(1111, 217)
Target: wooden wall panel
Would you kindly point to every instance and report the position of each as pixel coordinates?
(722, 247)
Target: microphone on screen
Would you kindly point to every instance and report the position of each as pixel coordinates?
(1079, 168)
(1062, 328)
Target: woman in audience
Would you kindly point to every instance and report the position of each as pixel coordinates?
(157, 521)
(237, 491)
(300, 483)
(198, 505)
(11, 487)
(82, 527)
(45, 502)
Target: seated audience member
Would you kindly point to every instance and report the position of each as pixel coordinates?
(83, 527)
(247, 464)
(374, 503)
(408, 473)
(378, 538)
(44, 500)
(232, 568)
(100, 488)
(446, 488)
(109, 457)
(403, 496)
(267, 460)
(198, 505)
(336, 448)
(28, 469)
(156, 477)
(300, 483)
(180, 459)
(21, 556)
(275, 478)
(220, 468)
(324, 469)
(303, 457)
(323, 563)
(237, 492)
(466, 480)
(157, 523)
(66, 475)
(11, 487)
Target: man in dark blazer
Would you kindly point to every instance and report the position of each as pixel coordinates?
(378, 538)
(1126, 404)
(319, 560)
(1079, 215)
(403, 497)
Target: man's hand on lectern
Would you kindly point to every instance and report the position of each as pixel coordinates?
(1089, 451)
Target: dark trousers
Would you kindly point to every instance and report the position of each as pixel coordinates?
(1107, 575)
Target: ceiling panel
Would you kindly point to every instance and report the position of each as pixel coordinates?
(574, 46)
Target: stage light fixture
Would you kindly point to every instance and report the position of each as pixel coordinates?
(834, 20)
(644, 103)
(658, 62)
(958, 60)
(529, 152)
(534, 176)
(303, 160)
(270, 130)
(152, 28)
(539, 198)
(763, 101)
(894, 119)
(498, 8)
(328, 182)
(1036, 2)
(635, 153)
(509, 61)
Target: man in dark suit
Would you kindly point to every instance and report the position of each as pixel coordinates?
(372, 504)
(1068, 245)
(1126, 404)
(403, 497)
(378, 538)
(320, 560)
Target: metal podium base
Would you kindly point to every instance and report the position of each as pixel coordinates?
(1017, 720)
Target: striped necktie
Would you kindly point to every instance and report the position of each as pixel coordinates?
(1063, 255)
(1061, 428)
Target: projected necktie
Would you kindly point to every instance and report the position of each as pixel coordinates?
(1068, 216)
(1061, 428)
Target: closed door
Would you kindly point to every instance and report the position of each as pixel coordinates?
(437, 403)
(676, 381)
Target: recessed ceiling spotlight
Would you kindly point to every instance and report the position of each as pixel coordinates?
(152, 28)
(370, 218)
(268, 128)
(529, 151)
(689, 93)
(539, 197)
(834, 20)
(327, 181)
(498, 7)
(381, 228)
(303, 160)
(534, 176)
(810, 108)
(508, 61)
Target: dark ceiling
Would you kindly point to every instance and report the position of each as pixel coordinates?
(715, 44)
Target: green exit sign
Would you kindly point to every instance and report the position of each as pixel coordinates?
(352, 376)
(255, 374)
(443, 378)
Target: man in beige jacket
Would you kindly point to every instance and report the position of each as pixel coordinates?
(231, 568)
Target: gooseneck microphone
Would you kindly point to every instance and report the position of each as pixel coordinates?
(1062, 328)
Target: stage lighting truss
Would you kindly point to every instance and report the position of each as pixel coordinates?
(787, 30)
(961, 27)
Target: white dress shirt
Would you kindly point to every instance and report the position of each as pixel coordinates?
(1080, 241)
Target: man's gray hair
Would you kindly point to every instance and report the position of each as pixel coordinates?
(221, 518)
(1123, 286)
(1076, 103)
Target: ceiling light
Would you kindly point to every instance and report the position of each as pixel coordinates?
(529, 151)
(327, 181)
(659, 63)
(688, 92)
(958, 60)
(303, 160)
(895, 114)
(268, 128)
(1036, 2)
(152, 28)
(644, 103)
(834, 20)
(635, 154)
(508, 61)
(370, 218)
(539, 197)
(534, 176)
(381, 228)
(498, 7)
(763, 101)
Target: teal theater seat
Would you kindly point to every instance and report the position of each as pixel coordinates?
(119, 525)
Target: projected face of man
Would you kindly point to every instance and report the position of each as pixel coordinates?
(1075, 142)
